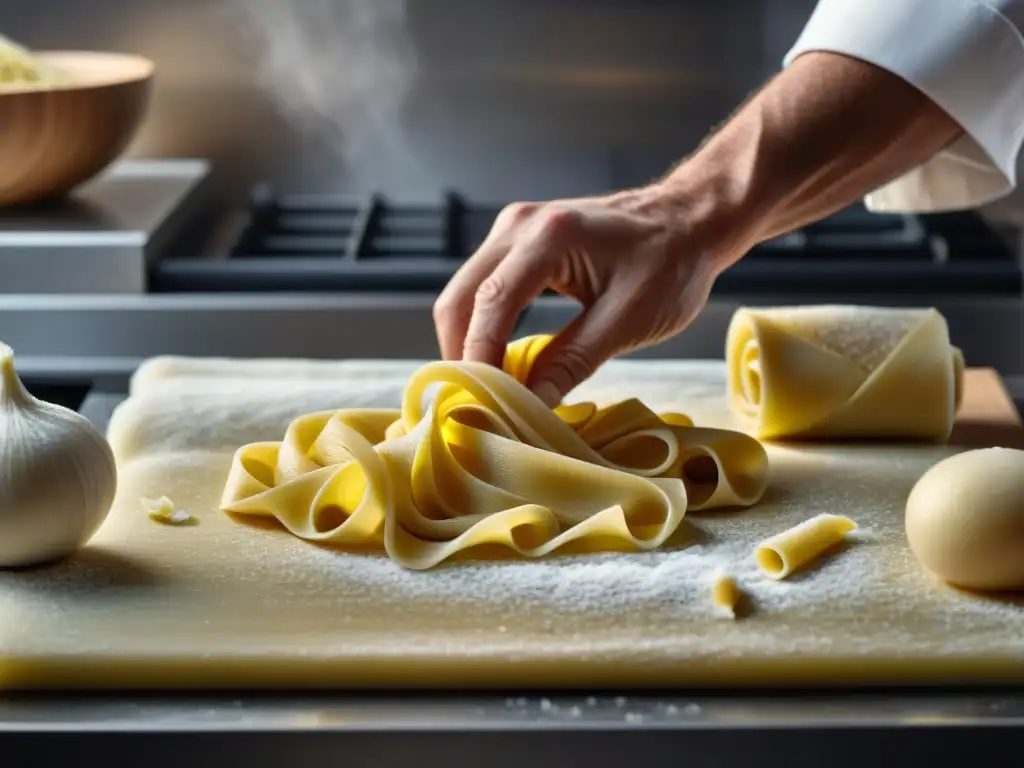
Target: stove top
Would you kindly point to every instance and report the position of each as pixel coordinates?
(322, 243)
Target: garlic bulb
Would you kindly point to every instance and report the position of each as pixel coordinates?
(57, 475)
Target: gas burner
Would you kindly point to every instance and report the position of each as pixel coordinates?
(322, 243)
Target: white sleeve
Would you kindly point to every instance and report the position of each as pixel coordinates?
(968, 57)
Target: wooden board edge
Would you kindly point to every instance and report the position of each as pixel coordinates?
(988, 397)
(988, 416)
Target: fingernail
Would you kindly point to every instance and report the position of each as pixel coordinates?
(548, 392)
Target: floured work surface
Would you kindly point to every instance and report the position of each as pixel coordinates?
(226, 604)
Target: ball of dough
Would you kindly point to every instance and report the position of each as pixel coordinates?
(965, 519)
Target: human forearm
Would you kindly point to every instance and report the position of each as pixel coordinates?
(820, 135)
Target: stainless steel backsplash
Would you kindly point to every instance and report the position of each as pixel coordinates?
(497, 98)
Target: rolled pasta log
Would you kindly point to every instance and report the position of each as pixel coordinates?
(472, 459)
(780, 555)
(726, 595)
(844, 372)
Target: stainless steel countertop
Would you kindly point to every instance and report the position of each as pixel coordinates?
(114, 333)
(794, 730)
(582, 711)
(102, 238)
(76, 337)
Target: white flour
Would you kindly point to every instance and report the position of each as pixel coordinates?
(864, 335)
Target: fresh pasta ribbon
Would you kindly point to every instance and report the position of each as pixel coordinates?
(473, 459)
(783, 553)
(844, 371)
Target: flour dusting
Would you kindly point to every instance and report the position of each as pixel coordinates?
(864, 335)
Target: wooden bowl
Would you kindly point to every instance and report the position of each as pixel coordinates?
(55, 138)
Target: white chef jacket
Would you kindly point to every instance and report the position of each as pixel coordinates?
(968, 57)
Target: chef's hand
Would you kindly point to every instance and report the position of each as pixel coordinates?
(817, 137)
(640, 266)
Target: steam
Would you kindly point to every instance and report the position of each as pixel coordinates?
(338, 71)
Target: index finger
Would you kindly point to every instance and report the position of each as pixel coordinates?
(454, 306)
(453, 309)
(516, 281)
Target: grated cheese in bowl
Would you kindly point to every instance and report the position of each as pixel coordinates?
(20, 69)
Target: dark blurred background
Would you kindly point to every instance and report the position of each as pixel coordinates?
(501, 99)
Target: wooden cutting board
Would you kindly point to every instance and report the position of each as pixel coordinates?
(987, 415)
(225, 604)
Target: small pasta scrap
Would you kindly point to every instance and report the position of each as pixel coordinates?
(164, 511)
(780, 555)
(726, 595)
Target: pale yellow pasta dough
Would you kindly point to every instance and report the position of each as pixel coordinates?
(726, 594)
(965, 519)
(783, 553)
(473, 460)
(844, 372)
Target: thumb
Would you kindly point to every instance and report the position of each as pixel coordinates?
(574, 355)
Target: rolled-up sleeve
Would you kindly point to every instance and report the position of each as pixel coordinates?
(968, 57)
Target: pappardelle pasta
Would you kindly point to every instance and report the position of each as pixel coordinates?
(474, 461)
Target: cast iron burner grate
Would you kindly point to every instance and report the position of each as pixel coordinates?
(318, 243)
(359, 229)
